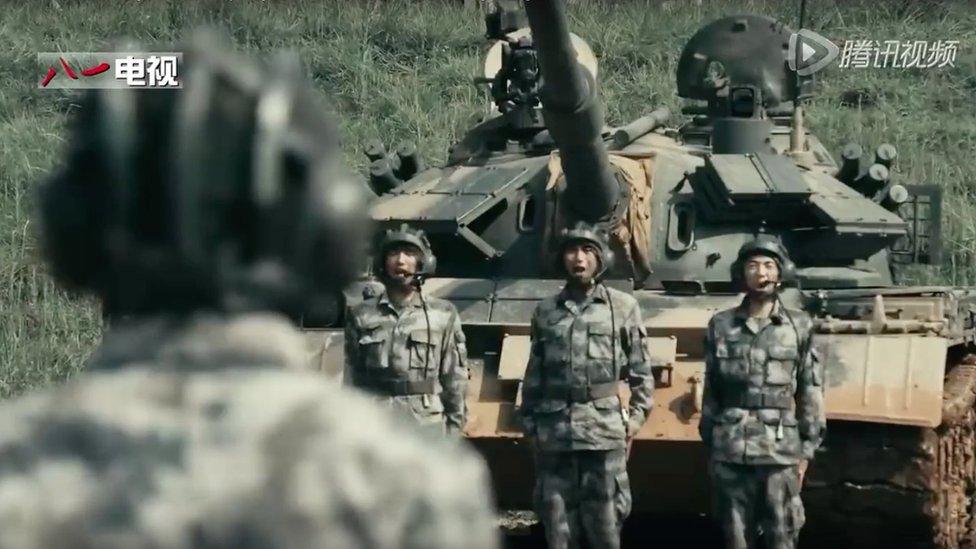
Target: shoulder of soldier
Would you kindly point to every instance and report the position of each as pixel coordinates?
(440, 305)
(443, 314)
(118, 430)
(802, 319)
(202, 342)
(546, 306)
(622, 300)
(364, 309)
(722, 319)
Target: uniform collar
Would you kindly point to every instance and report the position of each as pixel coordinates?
(742, 312)
(599, 294)
(384, 299)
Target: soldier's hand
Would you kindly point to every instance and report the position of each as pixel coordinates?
(802, 468)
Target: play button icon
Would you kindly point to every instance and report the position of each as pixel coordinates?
(809, 52)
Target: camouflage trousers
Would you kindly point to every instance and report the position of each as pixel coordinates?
(753, 498)
(582, 497)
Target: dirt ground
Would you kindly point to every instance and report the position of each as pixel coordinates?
(522, 531)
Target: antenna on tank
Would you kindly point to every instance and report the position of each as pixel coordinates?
(797, 143)
(797, 53)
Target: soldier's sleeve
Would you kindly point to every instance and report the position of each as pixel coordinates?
(454, 374)
(639, 375)
(350, 350)
(532, 380)
(810, 412)
(710, 402)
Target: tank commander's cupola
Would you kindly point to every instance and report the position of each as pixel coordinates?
(735, 74)
(743, 127)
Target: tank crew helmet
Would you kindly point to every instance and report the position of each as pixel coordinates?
(405, 235)
(228, 194)
(768, 246)
(590, 234)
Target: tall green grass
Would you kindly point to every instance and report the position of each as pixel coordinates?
(403, 70)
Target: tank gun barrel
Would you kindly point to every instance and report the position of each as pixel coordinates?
(572, 113)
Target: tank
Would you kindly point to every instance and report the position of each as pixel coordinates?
(898, 463)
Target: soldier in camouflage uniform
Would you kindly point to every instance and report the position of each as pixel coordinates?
(763, 414)
(404, 347)
(198, 216)
(584, 340)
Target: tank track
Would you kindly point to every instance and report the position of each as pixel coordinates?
(894, 486)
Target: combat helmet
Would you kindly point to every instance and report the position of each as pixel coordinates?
(763, 245)
(228, 194)
(585, 232)
(426, 263)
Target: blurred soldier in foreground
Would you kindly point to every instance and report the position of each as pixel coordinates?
(763, 414)
(404, 347)
(189, 213)
(584, 340)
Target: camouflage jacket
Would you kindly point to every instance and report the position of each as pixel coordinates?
(194, 435)
(578, 354)
(763, 399)
(390, 351)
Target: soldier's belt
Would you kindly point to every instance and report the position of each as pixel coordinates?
(781, 399)
(400, 387)
(584, 393)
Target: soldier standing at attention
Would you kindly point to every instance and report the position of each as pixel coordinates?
(763, 414)
(584, 340)
(404, 347)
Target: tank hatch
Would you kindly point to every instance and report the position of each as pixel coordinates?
(462, 204)
(749, 186)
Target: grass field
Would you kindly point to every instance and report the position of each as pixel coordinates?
(403, 70)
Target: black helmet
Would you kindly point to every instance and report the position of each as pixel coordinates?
(763, 245)
(585, 232)
(228, 194)
(426, 264)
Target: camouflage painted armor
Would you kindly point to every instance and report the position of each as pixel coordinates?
(763, 399)
(193, 434)
(579, 352)
(763, 414)
(571, 408)
(422, 370)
